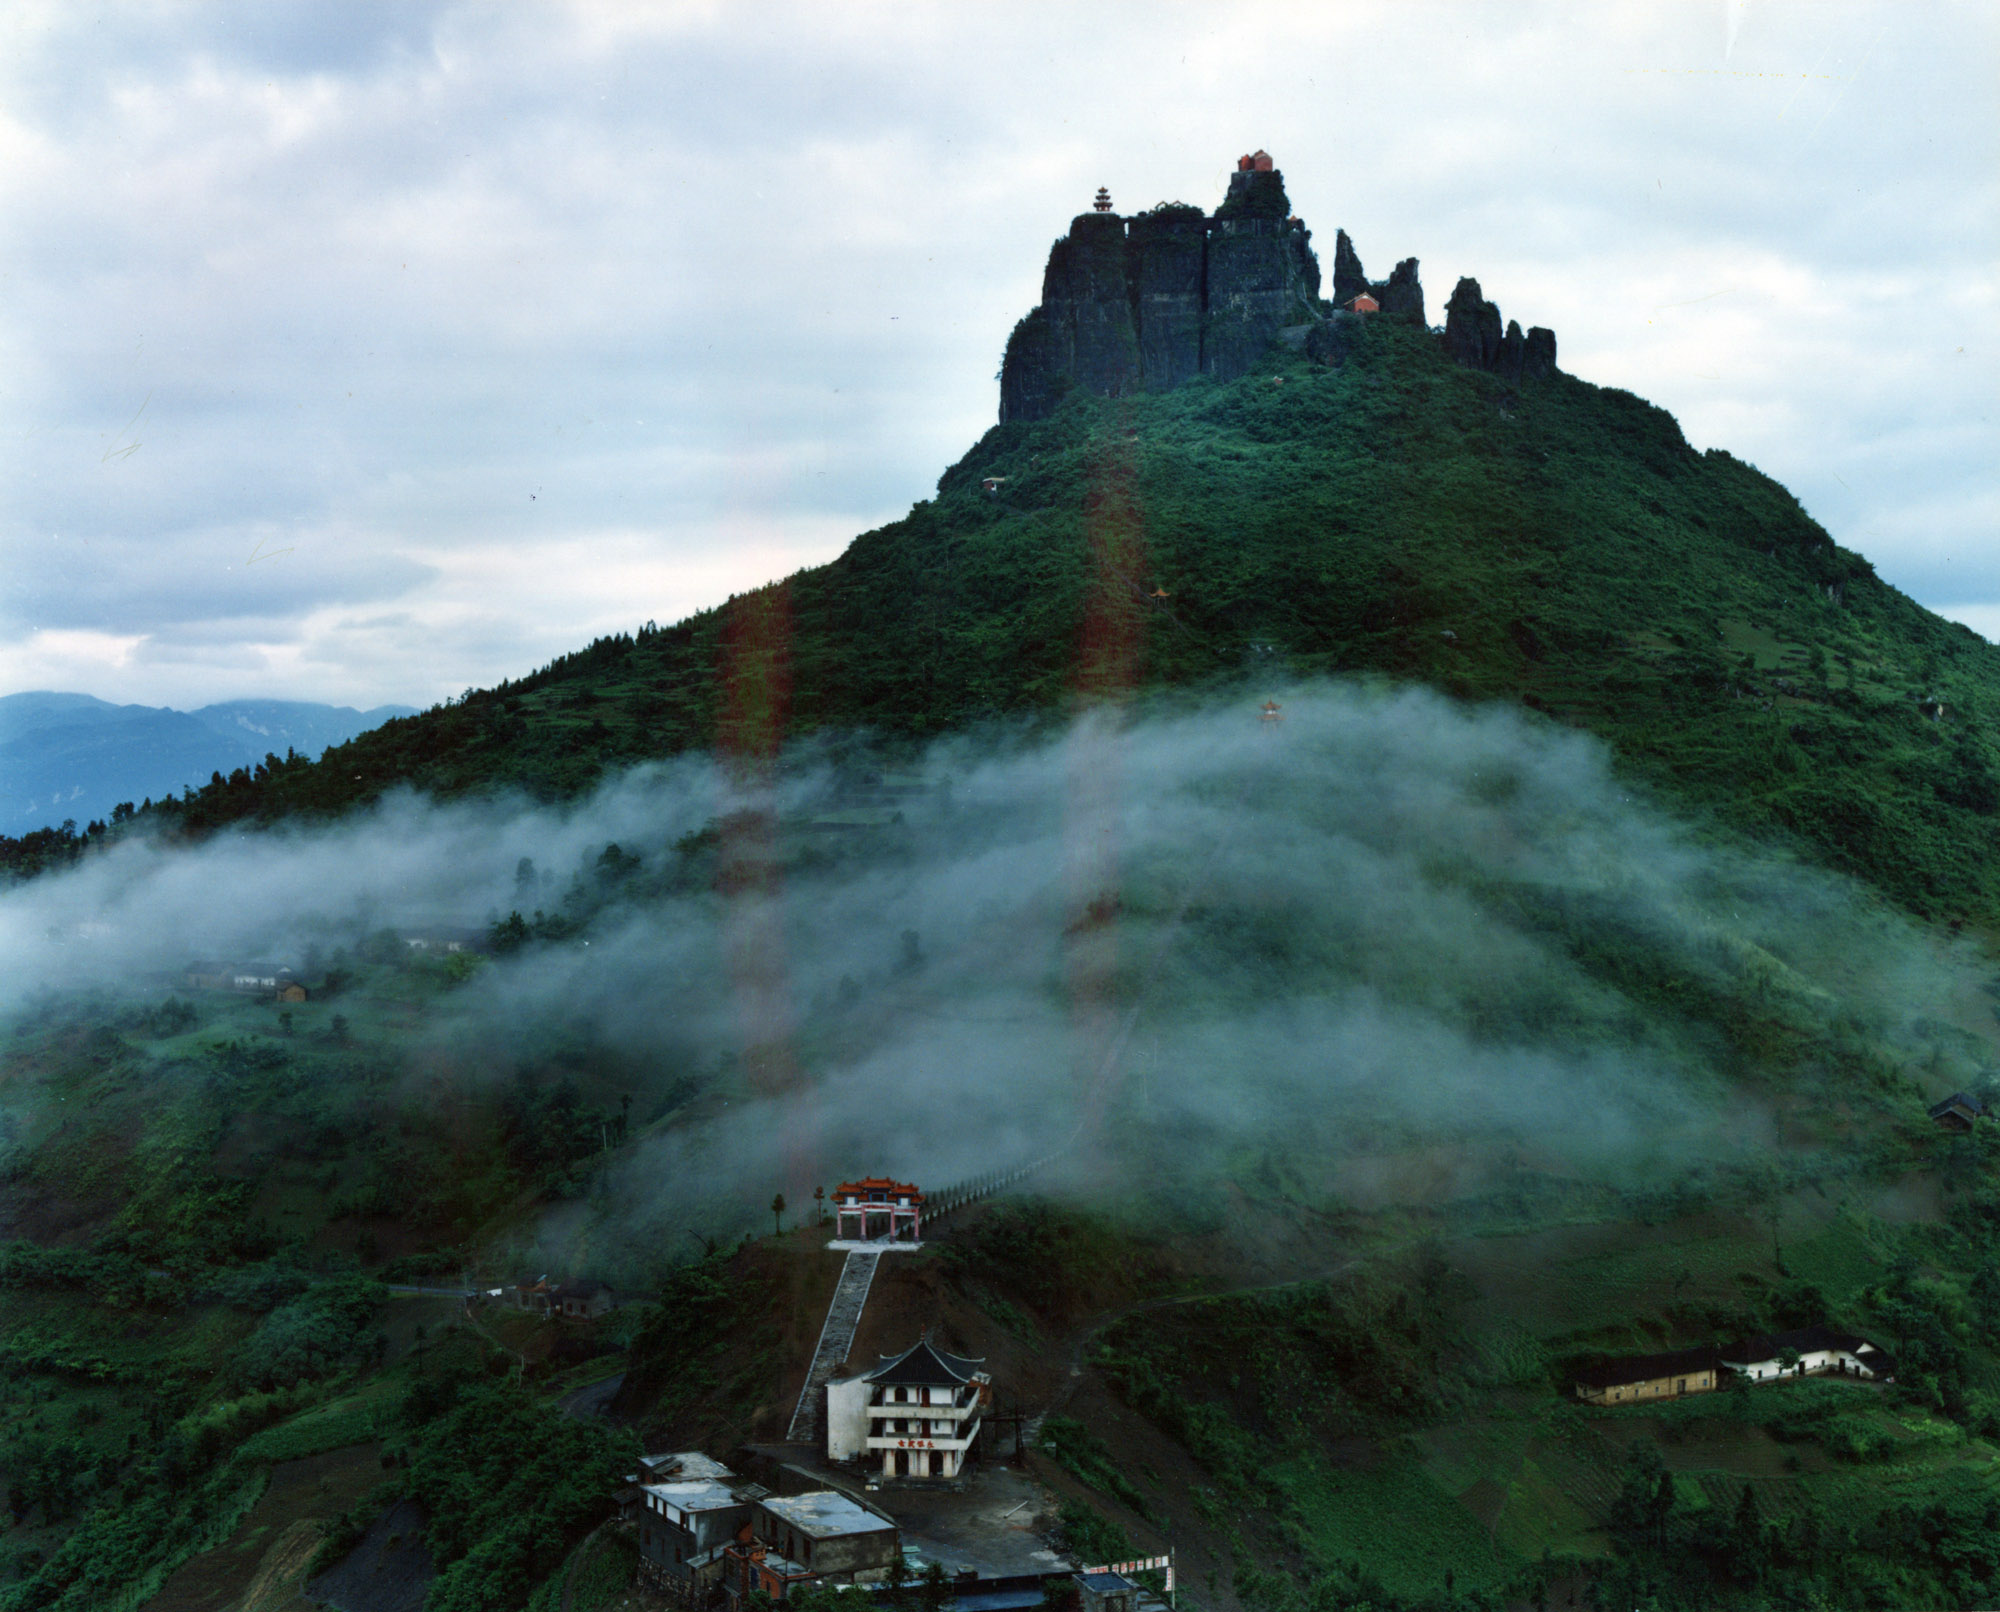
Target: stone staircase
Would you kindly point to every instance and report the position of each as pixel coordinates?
(940, 1204)
(843, 1315)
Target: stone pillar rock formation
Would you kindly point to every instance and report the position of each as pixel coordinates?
(1471, 327)
(1473, 337)
(1538, 359)
(1153, 301)
(1167, 257)
(1148, 302)
(1262, 276)
(1402, 295)
(1349, 281)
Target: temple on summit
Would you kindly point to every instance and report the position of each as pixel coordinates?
(1146, 302)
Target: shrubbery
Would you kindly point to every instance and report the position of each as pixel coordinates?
(111, 1278)
(509, 1484)
(324, 1330)
(1944, 1553)
(1091, 1537)
(1076, 1449)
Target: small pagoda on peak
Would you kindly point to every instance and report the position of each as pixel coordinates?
(1103, 202)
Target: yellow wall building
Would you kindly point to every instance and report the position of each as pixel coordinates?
(1639, 1378)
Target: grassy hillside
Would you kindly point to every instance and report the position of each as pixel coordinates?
(1559, 544)
(1370, 1435)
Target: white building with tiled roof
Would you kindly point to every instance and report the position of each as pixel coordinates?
(917, 1414)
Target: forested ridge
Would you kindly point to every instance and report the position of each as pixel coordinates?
(1555, 543)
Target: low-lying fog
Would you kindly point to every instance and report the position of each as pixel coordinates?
(1380, 922)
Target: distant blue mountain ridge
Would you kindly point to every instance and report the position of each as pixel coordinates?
(69, 756)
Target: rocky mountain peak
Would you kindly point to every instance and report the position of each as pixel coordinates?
(1143, 303)
(1473, 337)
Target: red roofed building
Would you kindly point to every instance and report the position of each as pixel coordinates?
(1363, 304)
(877, 1208)
(1258, 162)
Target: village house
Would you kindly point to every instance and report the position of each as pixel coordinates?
(537, 1296)
(251, 978)
(576, 1299)
(877, 1209)
(1106, 1592)
(260, 977)
(690, 1509)
(918, 1414)
(1958, 1112)
(442, 938)
(817, 1537)
(1646, 1377)
(753, 1568)
(679, 1464)
(1811, 1351)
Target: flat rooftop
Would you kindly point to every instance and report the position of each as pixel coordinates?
(701, 1494)
(692, 1464)
(823, 1514)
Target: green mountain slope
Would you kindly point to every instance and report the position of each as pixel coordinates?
(1557, 543)
(1425, 1111)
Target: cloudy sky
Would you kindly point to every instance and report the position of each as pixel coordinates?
(370, 352)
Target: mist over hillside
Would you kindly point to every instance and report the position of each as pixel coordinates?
(1389, 511)
(1383, 922)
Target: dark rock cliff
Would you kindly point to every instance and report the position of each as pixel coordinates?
(1349, 280)
(1334, 337)
(1256, 192)
(1540, 357)
(1151, 301)
(1471, 327)
(1401, 295)
(1262, 276)
(1473, 337)
(1082, 334)
(1166, 260)
(1145, 303)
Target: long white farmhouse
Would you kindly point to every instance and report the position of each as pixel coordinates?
(1807, 1352)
